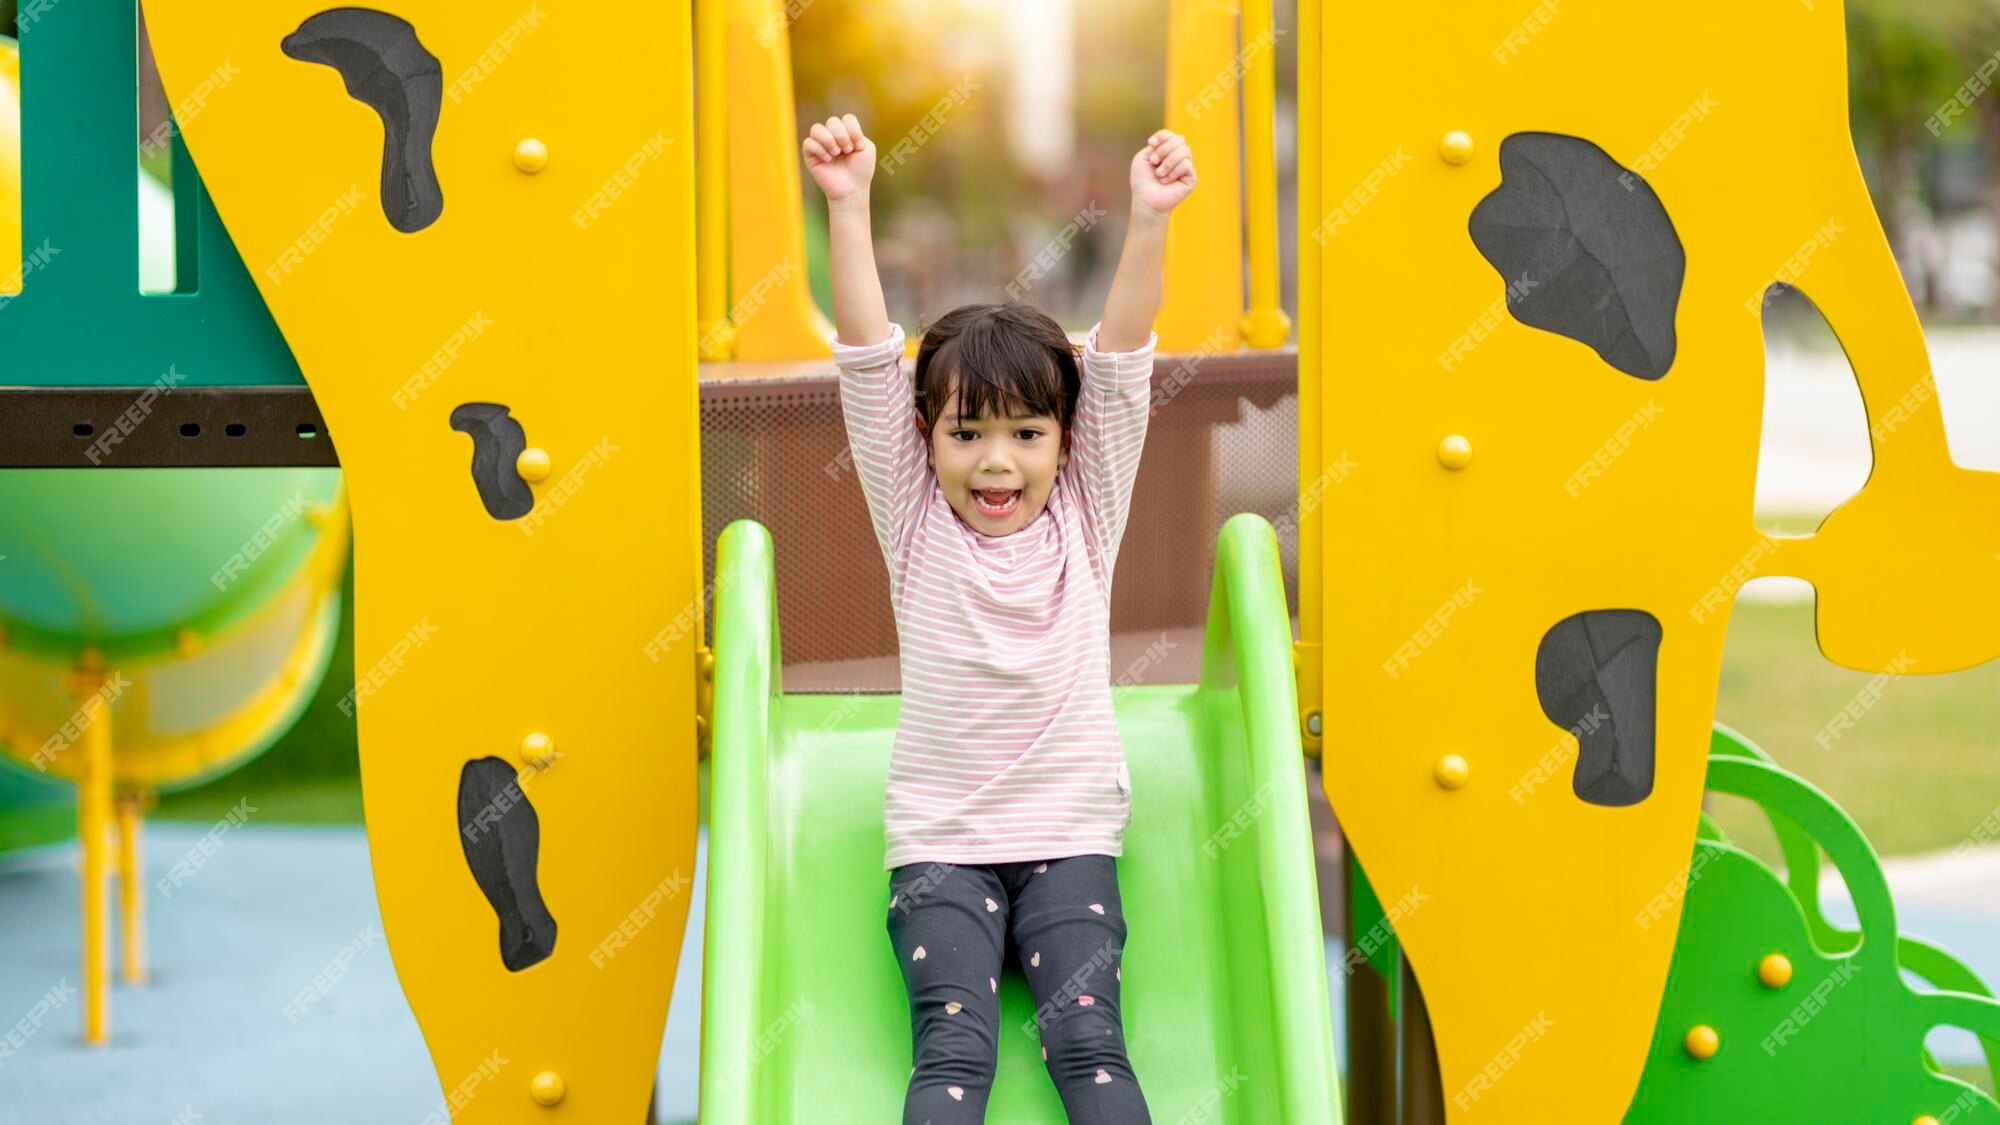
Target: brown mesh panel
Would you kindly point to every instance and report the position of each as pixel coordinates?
(773, 449)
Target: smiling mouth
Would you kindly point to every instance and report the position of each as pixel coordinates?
(997, 503)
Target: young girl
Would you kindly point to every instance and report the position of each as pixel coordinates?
(998, 486)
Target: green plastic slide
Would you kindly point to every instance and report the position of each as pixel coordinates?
(804, 1017)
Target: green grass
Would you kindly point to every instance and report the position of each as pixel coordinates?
(1918, 771)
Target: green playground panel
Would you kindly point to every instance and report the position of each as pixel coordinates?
(79, 319)
(804, 1014)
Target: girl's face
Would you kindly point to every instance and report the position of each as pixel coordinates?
(996, 472)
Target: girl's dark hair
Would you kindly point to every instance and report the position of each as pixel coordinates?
(1005, 359)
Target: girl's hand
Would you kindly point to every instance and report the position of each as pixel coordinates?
(1162, 173)
(840, 157)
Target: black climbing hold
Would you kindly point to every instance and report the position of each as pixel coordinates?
(497, 442)
(502, 838)
(387, 69)
(1586, 250)
(1597, 674)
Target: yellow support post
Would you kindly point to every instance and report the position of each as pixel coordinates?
(772, 308)
(93, 809)
(131, 895)
(711, 197)
(1265, 325)
(1310, 359)
(1203, 303)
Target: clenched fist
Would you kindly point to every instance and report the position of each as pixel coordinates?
(840, 157)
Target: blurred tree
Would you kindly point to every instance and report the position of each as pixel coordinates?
(1971, 29)
(1897, 67)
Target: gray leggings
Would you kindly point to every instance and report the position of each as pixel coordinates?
(953, 927)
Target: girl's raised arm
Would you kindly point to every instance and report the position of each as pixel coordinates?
(842, 161)
(1162, 176)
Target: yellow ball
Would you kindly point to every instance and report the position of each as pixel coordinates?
(538, 749)
(1453, 771)
(532, 464)
(1702, 1042)
(1455, 452)
(547, 1088)
(531, 155)
(1456, 147)
(1775, 970)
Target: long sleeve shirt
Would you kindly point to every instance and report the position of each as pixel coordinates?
(1006, 746)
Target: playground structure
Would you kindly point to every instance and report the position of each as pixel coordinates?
(531, 768)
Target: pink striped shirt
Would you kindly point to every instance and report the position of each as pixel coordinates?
(1006, 746)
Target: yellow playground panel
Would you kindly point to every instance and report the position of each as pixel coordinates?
(1533, 263)
(480, 311)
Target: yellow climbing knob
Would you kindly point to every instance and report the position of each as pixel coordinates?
(1702, 1042)
(1456, 147)
(532, 464)
(1926, 1119)
(1775, 970)
(531, 155)
(547, 1088)
(538, 749)
(1454, 452)
(1453, 771)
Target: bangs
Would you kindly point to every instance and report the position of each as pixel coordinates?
(1002, 360)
